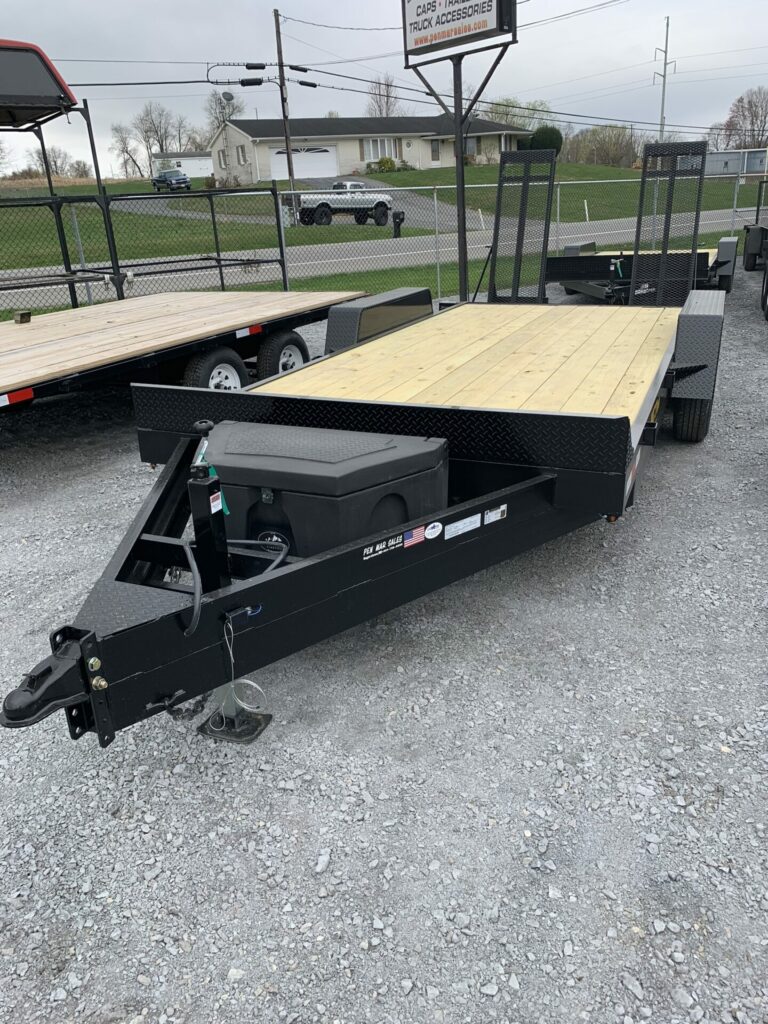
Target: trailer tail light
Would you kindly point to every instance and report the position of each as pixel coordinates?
(248, 331)
(13, 397)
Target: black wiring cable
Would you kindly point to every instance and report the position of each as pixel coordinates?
(197, 600)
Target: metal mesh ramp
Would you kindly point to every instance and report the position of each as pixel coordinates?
(521, 228)
(664, 264)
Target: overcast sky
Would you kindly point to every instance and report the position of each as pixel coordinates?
(551, 62)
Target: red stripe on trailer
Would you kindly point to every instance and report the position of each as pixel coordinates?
(247, 331)
(24, 395)
(16, 44)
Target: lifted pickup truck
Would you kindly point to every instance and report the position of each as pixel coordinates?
(345, 197)
(174, 180)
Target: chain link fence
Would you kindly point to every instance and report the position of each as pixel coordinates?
(77, 250)
(74, 250)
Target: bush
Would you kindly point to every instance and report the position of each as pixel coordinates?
(386, 165)
(547, 137)
(405, 166)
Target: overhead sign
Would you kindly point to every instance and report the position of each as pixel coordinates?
(439, 24)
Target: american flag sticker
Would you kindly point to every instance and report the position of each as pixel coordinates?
(411, 537)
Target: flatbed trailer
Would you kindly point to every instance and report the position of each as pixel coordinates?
(200, 338)
(528, 422)
(606, 275)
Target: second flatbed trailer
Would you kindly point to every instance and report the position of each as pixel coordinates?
(200, 338)
(309, 503)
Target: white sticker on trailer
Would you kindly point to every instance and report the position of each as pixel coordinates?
(4, 400)
(494, 515)
(464, 526)
(216, 504)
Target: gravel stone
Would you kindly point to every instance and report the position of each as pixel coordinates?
(487, 805)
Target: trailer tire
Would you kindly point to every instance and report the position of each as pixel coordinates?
(361, 218)
(279, 353)
(380, 215)
(323, 215)
(222, 369)
(691, 419)
(750, 261)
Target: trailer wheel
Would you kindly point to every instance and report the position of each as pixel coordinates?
(221, 370)
(323, 215)
(691, 418)
(279, 353)
(361, 218)
(380, 215)
(750, 260)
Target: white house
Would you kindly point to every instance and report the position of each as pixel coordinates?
(195, 165)
(327, 147)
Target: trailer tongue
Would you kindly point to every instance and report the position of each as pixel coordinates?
(304, 506)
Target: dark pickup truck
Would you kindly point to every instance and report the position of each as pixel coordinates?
(174, 180)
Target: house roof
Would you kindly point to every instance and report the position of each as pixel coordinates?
(357, 127)
(175, 156)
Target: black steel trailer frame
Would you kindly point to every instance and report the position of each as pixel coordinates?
(144, 643)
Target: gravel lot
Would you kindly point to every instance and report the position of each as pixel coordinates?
(536, 796)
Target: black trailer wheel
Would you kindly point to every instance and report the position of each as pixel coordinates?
(691, 418)
(750, 260)
(306, 217)
(279, 353)
(380, 215)
(221, 370)
(361, 218)
(323, 216)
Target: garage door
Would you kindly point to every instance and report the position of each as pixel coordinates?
(308, 162)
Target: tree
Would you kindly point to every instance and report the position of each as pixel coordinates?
(509, 110)
(59, 160)
(218, 111)
(152, 128)
(614, 145)
(332, 114)
(80, 169)
(383, 100)
(547, 137)
(125, 149)
(3, 154)
(747, 123)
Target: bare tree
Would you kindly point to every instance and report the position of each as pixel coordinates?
(3, 154)
(80, 169)
(748, 119)
(126, 150)
(509, 110)
(218, 111)
(332, 114)
(152, 128)
(613, 145)
(59, 160)
(383, 100)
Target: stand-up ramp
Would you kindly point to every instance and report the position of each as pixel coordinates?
(521, 228)
(666, 241)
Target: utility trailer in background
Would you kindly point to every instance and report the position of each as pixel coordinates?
(203, 339)
(756, 235)
(606, 275)
(309, 503)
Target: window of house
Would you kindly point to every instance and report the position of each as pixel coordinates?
(375, 149)
(435, 151)
(222, 156)
(241, 158)
(472, 146)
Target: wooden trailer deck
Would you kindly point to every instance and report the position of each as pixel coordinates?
(597, 361)
(62, 344)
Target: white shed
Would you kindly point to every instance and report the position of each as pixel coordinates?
(196, 165)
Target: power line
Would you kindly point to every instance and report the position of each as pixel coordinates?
(582, 78)
(573, 14)
(344, 28)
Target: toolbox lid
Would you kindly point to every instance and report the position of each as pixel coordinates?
(312, 460)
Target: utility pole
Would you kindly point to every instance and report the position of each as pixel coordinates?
(284, 102)
(663, 76)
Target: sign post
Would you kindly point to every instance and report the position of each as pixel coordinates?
(435, 25)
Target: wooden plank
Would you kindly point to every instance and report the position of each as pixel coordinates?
(79, 340)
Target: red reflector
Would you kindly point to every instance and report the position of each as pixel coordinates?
(256, 329)
(23, 395)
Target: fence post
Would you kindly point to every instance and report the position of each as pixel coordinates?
(281, 234)
(215, 227)
(736, 185)
(557, 223)
(80, 253)
(437, 245)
